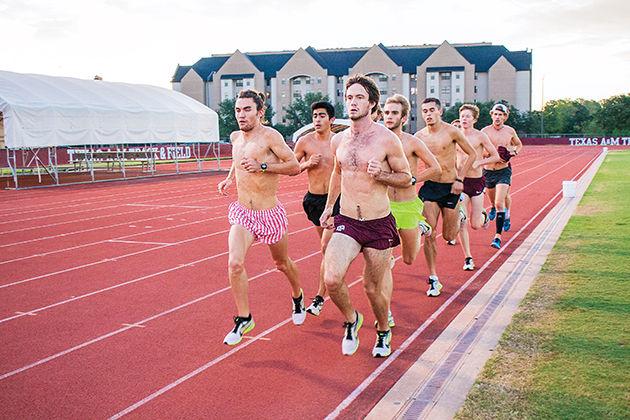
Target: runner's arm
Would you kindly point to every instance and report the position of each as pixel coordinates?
(492, 151)
(432, 166)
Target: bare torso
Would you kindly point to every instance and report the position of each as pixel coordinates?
(474, 137)
(502, 137)
(319, 175)
(407, 193)
(362, 197)
(442, 145)
(256, 191)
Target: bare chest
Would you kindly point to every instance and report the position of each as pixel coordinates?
(499, 137)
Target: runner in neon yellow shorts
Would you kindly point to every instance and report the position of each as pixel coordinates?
(408, 214)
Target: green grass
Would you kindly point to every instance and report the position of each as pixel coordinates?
(565, 355)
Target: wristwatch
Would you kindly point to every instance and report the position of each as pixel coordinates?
(413, 180)
(263, 167)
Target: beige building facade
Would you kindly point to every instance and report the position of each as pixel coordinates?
(451, 72)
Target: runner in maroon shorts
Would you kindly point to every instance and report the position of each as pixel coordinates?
(474, 183)
(368, 159)
(259, 155)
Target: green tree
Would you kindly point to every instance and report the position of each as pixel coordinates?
(298, 114)
(227, 119)
(614, 115)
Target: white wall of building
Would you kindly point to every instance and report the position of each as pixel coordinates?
(523, 90)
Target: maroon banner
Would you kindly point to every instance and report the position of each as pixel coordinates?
(609, 141)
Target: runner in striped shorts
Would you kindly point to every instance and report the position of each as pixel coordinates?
(259, 156)
(267, 226)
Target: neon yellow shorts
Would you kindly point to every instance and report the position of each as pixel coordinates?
(407, 213)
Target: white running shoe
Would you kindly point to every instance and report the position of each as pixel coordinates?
(382, 347)
(241, 326)
(315, 308)
(435, 287)
(469, 265)
(299, 312)
(425, 228)
(350, 342)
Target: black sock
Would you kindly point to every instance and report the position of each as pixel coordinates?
(248, 317)
(500, 221)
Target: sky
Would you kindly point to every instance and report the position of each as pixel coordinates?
(581, 48)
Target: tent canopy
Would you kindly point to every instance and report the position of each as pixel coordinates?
(47, 111)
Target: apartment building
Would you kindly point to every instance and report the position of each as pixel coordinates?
(451, 72)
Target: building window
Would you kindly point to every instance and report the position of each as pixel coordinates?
(383, 92)
(339, 79)
(476, 76)
(339, 92)
(284, 81)
(413, 91)
(433, 77)
(445, 90)
(456, 89)
(413, 76)
(445, 76)
(432, 90)
(297, 95)
(382, 78)
(308, 81)
(319, 80)
(296, 82)
(239, 83)
(457, 76)
(225, 84)
(393, 77)
(447, 104)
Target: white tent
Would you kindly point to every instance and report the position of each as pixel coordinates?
(45, 111)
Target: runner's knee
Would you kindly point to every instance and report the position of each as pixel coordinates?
(236, 266)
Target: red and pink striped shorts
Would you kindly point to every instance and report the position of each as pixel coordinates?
(267, 226)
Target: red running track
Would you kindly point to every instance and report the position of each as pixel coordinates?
(114, 300)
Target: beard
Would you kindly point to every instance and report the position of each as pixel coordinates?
(359, 116)
(395, 126)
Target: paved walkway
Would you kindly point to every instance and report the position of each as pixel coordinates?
(437, 384)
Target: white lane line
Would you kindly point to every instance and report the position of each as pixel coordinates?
(143, 321)
(106, 260)
(120, 241)
(115, 286)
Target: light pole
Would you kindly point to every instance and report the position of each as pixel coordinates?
(542, 106)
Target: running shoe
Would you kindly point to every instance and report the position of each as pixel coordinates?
(299, 313)
(486, 218)
(315, 308)
(507, 225)
(452, 242)
(496, 243)
(462, 215)
(350, 342)
(425, 228)
(435, 287)
(390, 320)
(241, 326)
(469, 265)
(493, 214)
(382, 347)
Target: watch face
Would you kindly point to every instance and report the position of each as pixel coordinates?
(263, 166)
(413, 180)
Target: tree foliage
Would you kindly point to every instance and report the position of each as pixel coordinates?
(562, 116)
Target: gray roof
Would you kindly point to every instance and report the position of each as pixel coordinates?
(339, 61)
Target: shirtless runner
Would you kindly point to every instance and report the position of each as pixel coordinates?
(368, 159)
(259, 156)
(441, 194)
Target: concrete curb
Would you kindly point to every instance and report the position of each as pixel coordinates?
(436, 385)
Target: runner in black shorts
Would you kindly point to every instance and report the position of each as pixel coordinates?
(500, 176)
(440, 193)
(315, 156)
(314, 204)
